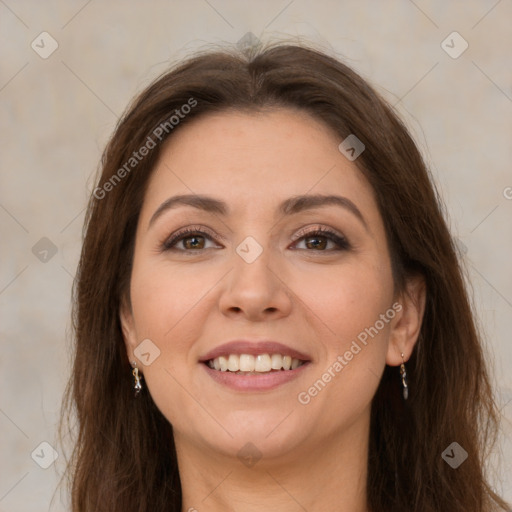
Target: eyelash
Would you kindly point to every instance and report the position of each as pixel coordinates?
(342, 242)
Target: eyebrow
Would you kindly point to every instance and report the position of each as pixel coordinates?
(290, 206)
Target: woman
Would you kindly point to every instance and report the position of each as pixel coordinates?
(269, 309)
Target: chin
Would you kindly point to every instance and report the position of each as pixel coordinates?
(264, 433)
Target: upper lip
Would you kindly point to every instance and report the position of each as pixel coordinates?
(253, 348)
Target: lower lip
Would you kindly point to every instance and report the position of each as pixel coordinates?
(262, 382)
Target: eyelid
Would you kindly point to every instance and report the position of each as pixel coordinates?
(310, 230)
(189, 230)
(331, 234)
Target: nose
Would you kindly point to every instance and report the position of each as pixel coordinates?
(256, 291)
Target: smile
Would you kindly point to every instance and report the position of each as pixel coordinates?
(254, 365)
(248, 364)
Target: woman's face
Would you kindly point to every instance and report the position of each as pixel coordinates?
(255, 269)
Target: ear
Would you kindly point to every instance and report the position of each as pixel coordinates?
(406, 325)
(128, 328)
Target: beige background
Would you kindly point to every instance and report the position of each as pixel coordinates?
(57, 113)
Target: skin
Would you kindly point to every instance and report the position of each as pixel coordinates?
(315, 299)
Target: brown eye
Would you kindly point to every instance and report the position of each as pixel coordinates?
(316, 242)
(319, 239)
(190, 240)
(196, 242)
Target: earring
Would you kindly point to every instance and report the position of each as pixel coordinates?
(135, 373)
(403, 373)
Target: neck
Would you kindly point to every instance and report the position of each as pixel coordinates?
(327, 475)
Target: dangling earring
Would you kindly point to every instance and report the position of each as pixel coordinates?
(403, 373)
(135, 373)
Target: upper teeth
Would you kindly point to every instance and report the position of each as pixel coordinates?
(250, 363)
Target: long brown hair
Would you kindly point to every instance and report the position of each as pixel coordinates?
(124, 456)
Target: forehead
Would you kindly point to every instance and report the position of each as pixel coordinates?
(251, 160)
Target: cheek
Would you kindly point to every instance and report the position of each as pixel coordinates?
(169, 308)
(349, 305)
(164, 298)
(345, 298)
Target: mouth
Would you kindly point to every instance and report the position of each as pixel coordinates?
(248, 364)
(254, 365)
